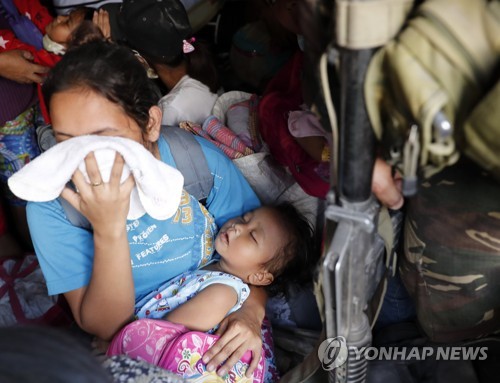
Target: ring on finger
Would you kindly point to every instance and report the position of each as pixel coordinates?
(94, 184)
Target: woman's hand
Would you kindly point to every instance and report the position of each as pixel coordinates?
(105, 205)
(239, 332)
(17, 65)
(107, 302)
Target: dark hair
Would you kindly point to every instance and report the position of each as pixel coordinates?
(295, 260)
(158, 30)
(86, 32)
(200, 64)
(32, 354)
(109, 70)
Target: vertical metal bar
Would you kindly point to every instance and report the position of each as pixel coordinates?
(357, 140)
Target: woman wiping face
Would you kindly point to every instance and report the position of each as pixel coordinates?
(100, 88)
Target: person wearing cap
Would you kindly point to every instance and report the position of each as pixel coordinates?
(159, 30)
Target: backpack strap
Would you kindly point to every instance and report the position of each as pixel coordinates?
(189, 160)
(74, 216)
(198, 180)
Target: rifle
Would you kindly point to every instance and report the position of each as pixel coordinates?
(351, 260)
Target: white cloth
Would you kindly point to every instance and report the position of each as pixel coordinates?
(158, 186)
(51, 46)
(189, 100)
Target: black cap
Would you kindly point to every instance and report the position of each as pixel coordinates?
(155, 28)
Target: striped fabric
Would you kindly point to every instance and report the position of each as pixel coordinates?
(220, 135)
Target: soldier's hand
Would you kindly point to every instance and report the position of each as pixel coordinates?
(386, 186)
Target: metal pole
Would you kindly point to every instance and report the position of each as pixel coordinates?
(357, 140)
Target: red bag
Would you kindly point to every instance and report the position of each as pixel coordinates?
(284, 94)
(24, 298)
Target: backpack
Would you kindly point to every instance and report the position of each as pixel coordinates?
(198, 180)
(431, 93)
(175, 348)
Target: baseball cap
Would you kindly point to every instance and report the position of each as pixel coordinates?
(155, 28)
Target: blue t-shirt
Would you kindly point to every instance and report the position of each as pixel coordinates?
(160, 250)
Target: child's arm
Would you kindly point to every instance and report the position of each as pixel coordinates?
(240, 331)
(206, 309)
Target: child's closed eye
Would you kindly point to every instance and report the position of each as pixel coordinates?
(252, 234)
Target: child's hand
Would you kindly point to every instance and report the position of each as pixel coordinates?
(105, 205)
(101, 19)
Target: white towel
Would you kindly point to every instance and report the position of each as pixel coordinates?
(158, 186)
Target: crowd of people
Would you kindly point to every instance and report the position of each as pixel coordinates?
(130, 70)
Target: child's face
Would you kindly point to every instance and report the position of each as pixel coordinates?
(246, 243)
(62, 26)
(286, 11)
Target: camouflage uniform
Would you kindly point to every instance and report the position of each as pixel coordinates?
(451, 263)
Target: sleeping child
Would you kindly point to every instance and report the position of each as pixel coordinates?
(264, 247)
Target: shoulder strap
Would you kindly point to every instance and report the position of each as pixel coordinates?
(74, 216)
(190, 161)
